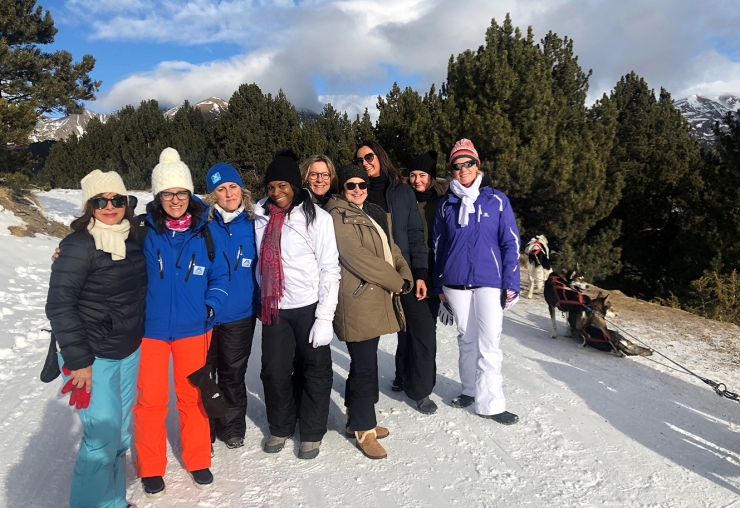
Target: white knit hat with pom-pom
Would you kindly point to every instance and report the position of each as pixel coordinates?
(96, 182)
(171, 172)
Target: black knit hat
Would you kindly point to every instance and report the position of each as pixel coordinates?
(426, 162)
(284, 168)
(351, 171)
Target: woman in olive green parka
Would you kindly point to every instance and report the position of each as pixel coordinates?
(374, 272)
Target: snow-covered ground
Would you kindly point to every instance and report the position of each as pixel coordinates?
(595, 430)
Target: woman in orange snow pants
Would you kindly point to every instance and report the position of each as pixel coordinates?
(189, 278)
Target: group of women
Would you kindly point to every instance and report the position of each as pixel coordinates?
(357, 253)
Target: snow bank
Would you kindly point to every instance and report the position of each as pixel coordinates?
(8, 219)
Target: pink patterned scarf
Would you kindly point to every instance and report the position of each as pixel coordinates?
(179, 225)
(271, 265)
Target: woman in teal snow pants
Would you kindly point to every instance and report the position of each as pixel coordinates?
(95, 305)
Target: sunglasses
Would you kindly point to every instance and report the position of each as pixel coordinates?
(466, 164)
(169, 196)
(352, 185)
(369, 158)
(102, 203)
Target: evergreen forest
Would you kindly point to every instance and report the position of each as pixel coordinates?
(641, 206)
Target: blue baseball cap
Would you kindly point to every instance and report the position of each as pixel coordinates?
(220, 173)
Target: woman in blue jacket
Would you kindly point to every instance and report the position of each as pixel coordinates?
(476, 270)
(188, 285)
(232, 215)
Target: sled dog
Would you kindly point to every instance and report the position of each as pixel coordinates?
(538, 260)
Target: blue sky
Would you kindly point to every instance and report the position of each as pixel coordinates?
(349, 51)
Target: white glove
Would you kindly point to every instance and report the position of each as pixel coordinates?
(511, 298)
(322, 332)
(445, 314)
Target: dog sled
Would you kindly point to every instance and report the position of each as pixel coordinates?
(586, 316)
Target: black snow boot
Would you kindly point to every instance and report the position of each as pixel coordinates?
(504, 418)
(202, 478)
(234, 442)
(397, 385)
(462, 401)
(153, 486)
(426, 406)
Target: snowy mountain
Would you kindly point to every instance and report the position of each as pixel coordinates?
(211, 108)
(703, 112)
(60, 128)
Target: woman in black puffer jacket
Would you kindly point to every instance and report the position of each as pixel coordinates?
(96, 305)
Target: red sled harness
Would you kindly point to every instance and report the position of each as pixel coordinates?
(536, 248)
(566, 296)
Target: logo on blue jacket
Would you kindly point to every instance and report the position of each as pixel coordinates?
(216, 177)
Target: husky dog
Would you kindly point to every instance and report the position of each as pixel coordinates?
(596, 326)
(538, 260)
(586, 316)
(570, 282)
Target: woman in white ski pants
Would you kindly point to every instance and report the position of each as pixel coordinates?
(476, 274)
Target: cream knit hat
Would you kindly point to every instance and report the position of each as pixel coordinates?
(97, 182)
(171, 172)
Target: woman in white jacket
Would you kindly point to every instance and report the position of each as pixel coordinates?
(299, 281)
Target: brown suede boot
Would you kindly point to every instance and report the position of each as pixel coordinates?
(367, 443)
(380, 432)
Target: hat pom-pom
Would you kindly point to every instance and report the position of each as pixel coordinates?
(168, 156)
(433, 155)
(287, 153)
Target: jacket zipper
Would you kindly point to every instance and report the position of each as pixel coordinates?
(228, 264)
(362, 284)
(161, 266)
(190, 267)
(238, 256)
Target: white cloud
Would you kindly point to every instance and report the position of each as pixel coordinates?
(352, 45)
(353, 104)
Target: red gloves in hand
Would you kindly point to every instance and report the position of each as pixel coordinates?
(80, 397)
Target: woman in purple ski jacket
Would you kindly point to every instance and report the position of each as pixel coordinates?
(476, 273)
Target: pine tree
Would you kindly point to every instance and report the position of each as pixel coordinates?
(33, 82)
(660, 164)
(255, 127)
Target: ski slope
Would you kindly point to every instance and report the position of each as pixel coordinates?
(595, 430)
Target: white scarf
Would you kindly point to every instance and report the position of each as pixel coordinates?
(468, 195)
(228, 216)
(110, 239)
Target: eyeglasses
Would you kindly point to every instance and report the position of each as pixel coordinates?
(169, 196)
(352, 185)
(466, 164)
(102, 203)
(368, 157)
(319, 176)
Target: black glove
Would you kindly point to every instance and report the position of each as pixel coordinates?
(210, 315)
(406, 287)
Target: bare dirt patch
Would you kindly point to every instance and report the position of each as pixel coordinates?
(27, 209)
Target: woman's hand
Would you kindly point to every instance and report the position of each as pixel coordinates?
(421, 289)
(443, 298)
(56, 254)
(82, 377)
